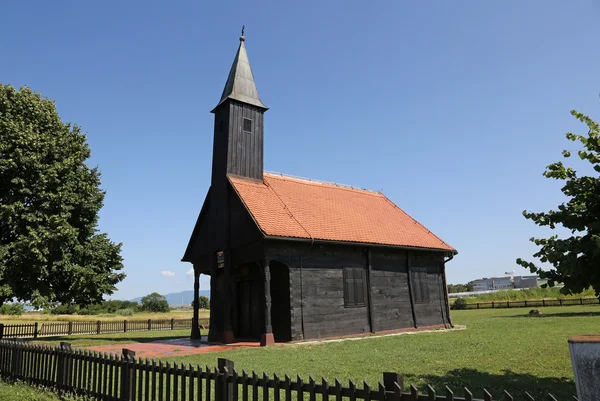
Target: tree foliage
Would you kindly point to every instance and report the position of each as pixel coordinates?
(155, 303)
(50, 248)
(203, 302)
(575, 260)
(454, 288)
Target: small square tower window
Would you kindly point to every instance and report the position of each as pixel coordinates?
(247, 125)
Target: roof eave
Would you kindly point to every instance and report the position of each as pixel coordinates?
(352, 243)
(224, 100)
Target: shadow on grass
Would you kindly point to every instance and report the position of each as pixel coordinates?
(517, 384)
(560, 314)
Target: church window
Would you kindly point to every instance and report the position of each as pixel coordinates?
(247, 125)
(354, 286)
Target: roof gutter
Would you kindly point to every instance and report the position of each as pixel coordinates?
(313, 241)
(446, 288)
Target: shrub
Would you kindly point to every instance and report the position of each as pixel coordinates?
(67, 309)
(15, 309)
(459, 303)
(125, 312)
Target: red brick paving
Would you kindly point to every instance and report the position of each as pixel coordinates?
(172, 347)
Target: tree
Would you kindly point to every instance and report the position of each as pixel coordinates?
(203, 302)
(155, 303)
(50, 248)
(575, 260)
(454, 288)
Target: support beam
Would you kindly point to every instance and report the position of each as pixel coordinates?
(369, 289)
(228, 336)
(410, 289)
(196, 335)
(214, 329)
(267, 337)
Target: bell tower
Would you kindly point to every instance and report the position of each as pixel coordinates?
(239, 127)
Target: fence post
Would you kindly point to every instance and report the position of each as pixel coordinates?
(70, 328)
(125, 326)
(35, 330)
(477, 305)
(390, 379)
(580, 301)
(493, 307)
(526, 303)
(172, 323)
(1, 330)
(543, 302)
(223, 389)
(149, 324)
(128, 376)
(98, 327)
(560, 301)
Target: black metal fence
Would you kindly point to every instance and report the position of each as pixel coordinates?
(532, 303)
(123, 377)
(34, 330)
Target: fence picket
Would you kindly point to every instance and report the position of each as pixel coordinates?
(352, 387)
(468, 395)
(449, 394)
(191, 384)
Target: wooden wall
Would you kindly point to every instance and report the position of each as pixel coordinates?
(434, 311)
(390, 291)
(317, 288)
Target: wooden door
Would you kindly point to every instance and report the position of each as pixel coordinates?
(248, 310)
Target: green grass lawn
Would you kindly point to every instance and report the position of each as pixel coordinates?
(501, 349)
(117, 338)
(23, 392)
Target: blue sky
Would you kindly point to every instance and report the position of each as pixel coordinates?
(453, 109)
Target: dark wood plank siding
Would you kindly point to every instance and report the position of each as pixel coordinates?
(245, 149)
(389, 290)
(317, 292)
(433, 311)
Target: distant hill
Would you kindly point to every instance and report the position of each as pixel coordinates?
(175, 298)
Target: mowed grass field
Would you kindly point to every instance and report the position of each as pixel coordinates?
(500, 350)
(31, 317)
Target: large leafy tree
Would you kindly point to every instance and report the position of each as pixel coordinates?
(50, 248)
(155, 303)
(574, 260)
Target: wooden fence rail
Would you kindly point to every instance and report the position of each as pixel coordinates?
(533, 303)
(123, 377)
(34, 330)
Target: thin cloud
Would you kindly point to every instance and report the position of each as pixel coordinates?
(167, 273)
(190, 272)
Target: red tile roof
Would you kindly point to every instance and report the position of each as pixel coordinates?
(283, 206)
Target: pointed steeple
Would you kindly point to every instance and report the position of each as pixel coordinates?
(240, 84)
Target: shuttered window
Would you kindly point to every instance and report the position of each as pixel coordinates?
(247, 125)
(354, 286)
(419, 285)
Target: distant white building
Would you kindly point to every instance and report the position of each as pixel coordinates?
(505, 283)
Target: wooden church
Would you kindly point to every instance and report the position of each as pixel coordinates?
(293, 259)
